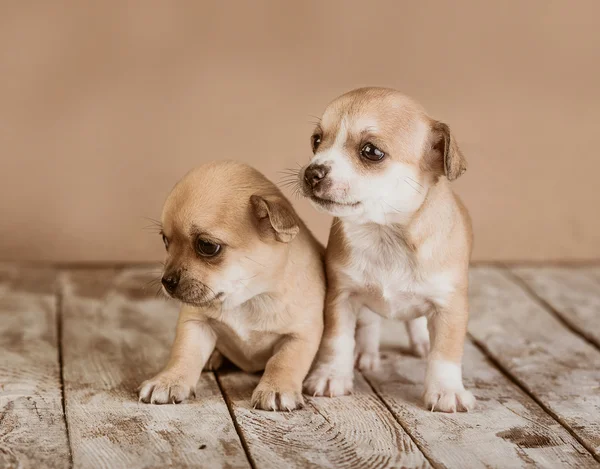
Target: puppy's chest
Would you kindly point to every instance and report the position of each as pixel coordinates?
(247, 336)
(385, 275)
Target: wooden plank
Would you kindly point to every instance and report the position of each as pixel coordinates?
(573, 293)
(345, 432)
(32, 426)
(593, 271)
(115, 335)
(507, 429)
(557, 367)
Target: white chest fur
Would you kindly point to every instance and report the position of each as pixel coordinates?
(385, 275)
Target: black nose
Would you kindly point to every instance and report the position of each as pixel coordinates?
(315, 173)
(170, 282)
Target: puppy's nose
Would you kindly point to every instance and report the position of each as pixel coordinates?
(315, 173)
(170, 282)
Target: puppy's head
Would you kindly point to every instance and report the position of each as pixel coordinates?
(376, 153)
(226, 230)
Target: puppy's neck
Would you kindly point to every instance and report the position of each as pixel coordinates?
(406, 225)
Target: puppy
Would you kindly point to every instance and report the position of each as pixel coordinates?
(251, 280)
(400, 242)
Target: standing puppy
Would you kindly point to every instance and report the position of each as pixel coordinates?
(400, 243)
(251, 279)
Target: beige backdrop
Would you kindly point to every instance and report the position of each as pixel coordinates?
(104, 105)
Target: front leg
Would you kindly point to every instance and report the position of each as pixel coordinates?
(444, 390)
(333, 371)
(194, 342)
(280, 387)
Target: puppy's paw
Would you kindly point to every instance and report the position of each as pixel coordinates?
(367, 361)
(267, 397)
(215, 361)
(325, 381)
(444, 390)
(449, 400)
(165, 388)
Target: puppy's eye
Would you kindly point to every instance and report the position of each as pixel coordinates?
(206, 248)
(165, 241)
(315, 141)
(371, 152)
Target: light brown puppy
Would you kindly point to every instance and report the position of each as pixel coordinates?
(251, 279)
(400, 244)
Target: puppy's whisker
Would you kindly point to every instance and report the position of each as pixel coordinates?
(250, 259)
(249, 278)
(394, 208)
(151, 284)
(412, 187)
(420, 185)
(156, 224)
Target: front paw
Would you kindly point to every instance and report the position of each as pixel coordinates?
(267, 397)
(449, 400)
(444, 390)
(165, 388)
(326, 381)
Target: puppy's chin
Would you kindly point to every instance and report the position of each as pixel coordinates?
(332, 207)
(196, 298)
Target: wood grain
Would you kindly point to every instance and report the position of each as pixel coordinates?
(507, 429)
(116, 334)
(573, 293)
(32, 426)
(347, 432)
(557, 367)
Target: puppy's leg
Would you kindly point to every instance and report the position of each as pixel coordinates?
(333, 372)
(419, 336)
(444, 390)
(280, 387)
(194, 342)
(366, 354)
(215, 361)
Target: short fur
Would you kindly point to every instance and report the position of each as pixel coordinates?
(399, 246)
(258, 303)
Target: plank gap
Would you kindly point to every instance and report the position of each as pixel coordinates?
(401, 423)
(521, 385)
(236, 425)
(548, 307)
(58, 295)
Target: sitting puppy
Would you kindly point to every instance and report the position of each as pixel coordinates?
(400, 243)
(251, 279)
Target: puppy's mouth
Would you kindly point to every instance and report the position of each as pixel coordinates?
(202, 302)
(194, 299)
(329, 203)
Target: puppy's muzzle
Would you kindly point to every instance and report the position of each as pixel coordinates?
(170, 282)
(315, 176)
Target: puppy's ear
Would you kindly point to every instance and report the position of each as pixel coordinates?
(275, 218)
(445, 151)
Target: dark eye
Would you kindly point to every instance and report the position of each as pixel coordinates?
(315, 141)
(371, 152)
(165, 241)
(206, 248)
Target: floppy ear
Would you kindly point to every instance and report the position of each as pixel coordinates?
(446, 149)
(275, 217)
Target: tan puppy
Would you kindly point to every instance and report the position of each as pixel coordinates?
(400, 243)
(251, 279)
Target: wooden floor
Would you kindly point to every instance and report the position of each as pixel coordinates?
(75, 344)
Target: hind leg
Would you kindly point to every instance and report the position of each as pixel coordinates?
(419, 336)
(366, 352)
